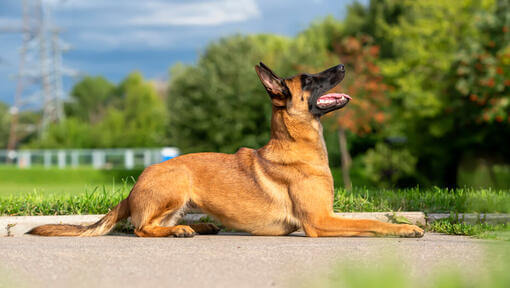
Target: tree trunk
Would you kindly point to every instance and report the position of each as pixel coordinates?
(346, 158)
(452, 169)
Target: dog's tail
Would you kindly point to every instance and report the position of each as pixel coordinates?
(101, 227)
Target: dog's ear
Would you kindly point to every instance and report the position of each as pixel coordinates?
(274, 85)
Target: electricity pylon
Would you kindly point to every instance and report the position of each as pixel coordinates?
(40, 68)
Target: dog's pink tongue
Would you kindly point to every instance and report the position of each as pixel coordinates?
(338, 95)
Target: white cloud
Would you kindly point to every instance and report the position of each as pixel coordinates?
(126, 39)
(197, 13)
(164, 13)
(149, 23)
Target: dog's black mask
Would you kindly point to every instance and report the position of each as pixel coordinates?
(318, 84)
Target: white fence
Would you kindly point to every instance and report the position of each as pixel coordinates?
(97, 158)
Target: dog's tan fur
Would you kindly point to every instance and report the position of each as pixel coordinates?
(274, 190)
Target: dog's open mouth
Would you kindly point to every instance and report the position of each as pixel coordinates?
(333, 100)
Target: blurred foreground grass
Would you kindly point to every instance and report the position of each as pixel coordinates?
(392, 272)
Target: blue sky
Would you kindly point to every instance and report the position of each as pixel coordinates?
(112, 38)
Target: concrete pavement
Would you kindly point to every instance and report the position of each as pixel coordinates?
(19, 225)
(224, 260)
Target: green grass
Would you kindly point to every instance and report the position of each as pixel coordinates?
(15, 182)
(466, 200)
(95, 201)
(98, 199)
(480, 230)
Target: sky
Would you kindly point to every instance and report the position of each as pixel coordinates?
(112, 37)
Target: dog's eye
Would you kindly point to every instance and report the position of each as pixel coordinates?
(308, 81)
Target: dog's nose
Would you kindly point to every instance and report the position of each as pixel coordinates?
(341, 67)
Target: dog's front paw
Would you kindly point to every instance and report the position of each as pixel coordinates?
(410, 231)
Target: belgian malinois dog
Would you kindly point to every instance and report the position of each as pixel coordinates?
(275, 190)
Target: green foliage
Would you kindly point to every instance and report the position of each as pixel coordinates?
(138, 121)
(72, 133)
(385, 166)
(219, 104)
(89, 99)
(432, 51)
(102, 115)
(4, 125)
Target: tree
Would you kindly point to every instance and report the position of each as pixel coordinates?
(129, 115)
(219, 104)
(71, 133)
(367, 110)
(420, 41)
(479, 89)
(138, 121)
(89, 99)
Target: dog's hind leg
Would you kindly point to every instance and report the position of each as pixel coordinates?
(160, 231)
(164, 225)
(158, 199)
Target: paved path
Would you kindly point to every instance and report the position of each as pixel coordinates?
(225, 260)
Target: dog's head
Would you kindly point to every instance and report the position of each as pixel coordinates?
(305, 93)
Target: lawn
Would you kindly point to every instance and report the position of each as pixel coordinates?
(86, 191)
(69, 182)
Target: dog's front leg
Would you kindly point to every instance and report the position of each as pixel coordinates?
(333, 225)
(315, 210)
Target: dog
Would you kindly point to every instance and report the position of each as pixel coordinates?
(284, 186)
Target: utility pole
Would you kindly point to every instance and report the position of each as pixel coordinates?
(14, 110)
(40, 62)
(56, 48)
(44, 66)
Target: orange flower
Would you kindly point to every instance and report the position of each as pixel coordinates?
(490, 82)
(379, 117)
(473, 97)
(499, 118)
(505, 29)
(499, 70)
(374, 51)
